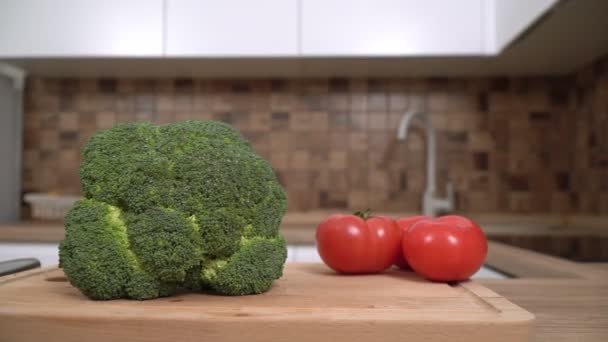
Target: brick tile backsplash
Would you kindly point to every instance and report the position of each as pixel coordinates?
(528, 144)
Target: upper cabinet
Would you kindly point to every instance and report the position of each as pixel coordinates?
(81, 28)
(392, 27)
(38, 29)
(232, 28)
(512, 17)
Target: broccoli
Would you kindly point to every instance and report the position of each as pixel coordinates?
(187, 205)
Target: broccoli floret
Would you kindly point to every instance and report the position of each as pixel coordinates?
(250, 270)
(165, 242)
(186, 205)
(97, 258)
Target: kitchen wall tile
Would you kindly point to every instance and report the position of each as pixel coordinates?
(105, 120)
(393, 121)
(338, 160)
(319, 181)
(165, 117)
(279, 141)
(301, 121)
(300, 160)
(437, 102)
(300, 141)
(338, 120)
(358, 199)
(481, 161)
(339, 102)
(418, 102)
(339, 85)
(320, 121)
(528, 144)
(377, 102)
(165, 102)
(333, 199)
(260, 121)
(378, 180)
(462, 102)
(279, 159)
(358, 121)
(358, 141)
(377, 121)
(397, 100)
(68, 121)
(280, 120)
(339, 141)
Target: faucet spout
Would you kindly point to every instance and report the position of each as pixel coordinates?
(430, 204)
(404, 124)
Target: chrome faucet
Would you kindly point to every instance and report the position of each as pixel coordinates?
(431, 205)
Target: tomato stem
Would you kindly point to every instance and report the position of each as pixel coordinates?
(364, 214)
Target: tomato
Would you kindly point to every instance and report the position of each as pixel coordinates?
(450, 248)
(404, 223)
(358, 244)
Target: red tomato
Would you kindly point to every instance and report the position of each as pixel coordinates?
(404, 223)
(450, 248)
(351, 244)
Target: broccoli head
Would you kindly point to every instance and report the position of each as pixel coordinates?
(185, 205)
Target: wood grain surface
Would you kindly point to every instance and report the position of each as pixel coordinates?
(309, 303)
(569, 299)
(299, 227)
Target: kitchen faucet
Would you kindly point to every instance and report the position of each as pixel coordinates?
(431, 205)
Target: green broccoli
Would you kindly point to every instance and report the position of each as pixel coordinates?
(185, 205)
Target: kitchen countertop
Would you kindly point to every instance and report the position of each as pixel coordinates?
(314, 216)
(298, 227)
(569, 299)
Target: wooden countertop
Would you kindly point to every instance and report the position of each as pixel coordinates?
(569, 299)
(298, 227)
(32, 231)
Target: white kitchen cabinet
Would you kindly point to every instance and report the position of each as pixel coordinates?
(81, 28)
(232, 28)
(512, 17)
(391, 27)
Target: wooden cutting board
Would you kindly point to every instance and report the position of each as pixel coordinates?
(310, 303)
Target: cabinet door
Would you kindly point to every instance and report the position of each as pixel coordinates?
(391, 27)
(80, 28)
(512, 17)
(232, 28)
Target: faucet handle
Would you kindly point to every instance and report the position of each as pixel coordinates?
(450, 195)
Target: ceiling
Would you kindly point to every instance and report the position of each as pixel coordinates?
(571, 35)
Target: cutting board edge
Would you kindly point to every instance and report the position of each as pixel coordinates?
(506, 311)
(51, 330)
